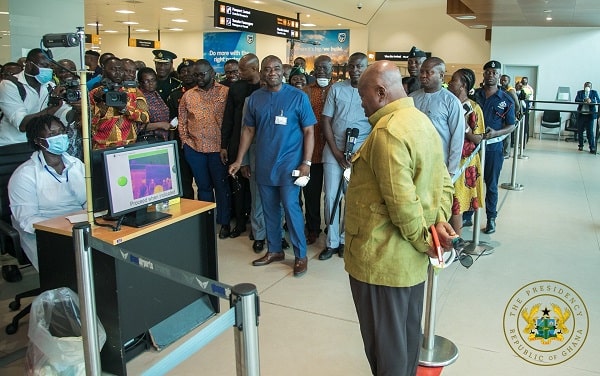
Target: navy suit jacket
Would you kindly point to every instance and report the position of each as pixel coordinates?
(594, 98)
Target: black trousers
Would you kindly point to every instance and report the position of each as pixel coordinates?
(312, 198)
(390, 325)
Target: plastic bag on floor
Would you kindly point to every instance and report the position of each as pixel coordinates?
(55, 342)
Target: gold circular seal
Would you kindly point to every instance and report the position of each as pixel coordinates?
(546, 323)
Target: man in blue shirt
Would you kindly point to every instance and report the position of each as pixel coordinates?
(282, 119)
(499, 115)
(588, 115)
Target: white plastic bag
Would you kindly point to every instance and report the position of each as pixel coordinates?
(55, 342)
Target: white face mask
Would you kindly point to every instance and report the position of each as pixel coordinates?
(586, 89)
(322, 82)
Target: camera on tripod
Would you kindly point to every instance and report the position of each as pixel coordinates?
(113, 96)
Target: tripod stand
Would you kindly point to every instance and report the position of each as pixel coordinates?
(351, 135)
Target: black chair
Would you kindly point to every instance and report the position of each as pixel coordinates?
(11, 157)
(571, 126)
(551, 119)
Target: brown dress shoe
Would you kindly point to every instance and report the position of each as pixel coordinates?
(300, 266)
(311, 237)
(268, 258)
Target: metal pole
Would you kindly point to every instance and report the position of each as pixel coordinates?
(87, 302)
(244, 298)
(513, 186)
(436, 351)
(522, 143)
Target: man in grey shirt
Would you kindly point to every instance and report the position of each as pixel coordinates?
(443, 109)
(342, 110)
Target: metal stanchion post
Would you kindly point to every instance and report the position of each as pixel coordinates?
(522, 143)
(436, 351)
(87, 302)
(513, 186)
(245, 299)
(475, 247)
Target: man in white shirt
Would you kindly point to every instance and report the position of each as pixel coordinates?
(27, 96)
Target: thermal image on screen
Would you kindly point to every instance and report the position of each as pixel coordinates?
(150, 174)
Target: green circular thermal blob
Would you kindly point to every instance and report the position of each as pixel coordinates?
(122, 181)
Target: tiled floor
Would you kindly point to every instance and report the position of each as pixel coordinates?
(308, 325)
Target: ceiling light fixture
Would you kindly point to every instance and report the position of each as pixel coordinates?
(110, 31)
(4, 13)
(142, 30)
(478, 26)
(93, 24)
(172, 9)
(549, 18)
(175, 29)
(308, 25)
(180, 20)
(124, 11)
(466, 17)
(130, 23)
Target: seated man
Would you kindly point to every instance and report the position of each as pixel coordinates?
(48, 185)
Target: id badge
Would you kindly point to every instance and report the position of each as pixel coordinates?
(281, 120)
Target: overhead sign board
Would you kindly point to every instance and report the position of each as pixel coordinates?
(235, 17)
(144, 43)
(395, 56)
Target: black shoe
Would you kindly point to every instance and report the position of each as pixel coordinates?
(593, 151)
(237, 231)
(341, 250)
(467, 223)
(327, 253)
(258, 246)
(580, 148)
(224, 232)
(491, 226)
(284, 244)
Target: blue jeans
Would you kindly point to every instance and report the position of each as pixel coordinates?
(210, 173)
(586, 122)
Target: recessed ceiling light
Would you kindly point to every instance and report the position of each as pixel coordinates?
(478, 26)
(124, 11)
(308, 16)
(172, 9)
(180, 20)
(3, 12)
(257, 2)
(549, 18)
(142, 30)
(308, 24)
(110, 31)
(130, 23)
(547, 10)
(466, 17)
(339, 24)
(175, 29)
(93, 24)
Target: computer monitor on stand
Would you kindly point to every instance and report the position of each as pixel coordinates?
(140, 176)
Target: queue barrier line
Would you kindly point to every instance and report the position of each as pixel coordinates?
(243, 315)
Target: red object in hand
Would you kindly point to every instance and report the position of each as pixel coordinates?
(437, 245)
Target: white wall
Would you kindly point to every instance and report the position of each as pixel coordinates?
(564, 56)
(399, 25)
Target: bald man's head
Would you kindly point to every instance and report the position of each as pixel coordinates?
(380, 84)
(249, 68)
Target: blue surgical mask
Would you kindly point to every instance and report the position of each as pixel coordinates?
(44, 76)
(57, 144)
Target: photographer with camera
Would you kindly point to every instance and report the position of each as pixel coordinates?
(118, 108)
(27, 95)
(69, 92)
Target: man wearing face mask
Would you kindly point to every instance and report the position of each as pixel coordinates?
(317, 93)
(588, 113)
(49, 184)
(27, 96)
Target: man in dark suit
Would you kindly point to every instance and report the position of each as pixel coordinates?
(588, 113)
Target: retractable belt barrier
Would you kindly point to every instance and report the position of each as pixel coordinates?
(513, 185)
(243, 315)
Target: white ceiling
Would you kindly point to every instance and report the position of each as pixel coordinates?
(199, 13)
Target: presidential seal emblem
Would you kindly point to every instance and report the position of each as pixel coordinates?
(546, 323)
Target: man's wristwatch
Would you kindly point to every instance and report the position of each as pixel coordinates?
(307, 162)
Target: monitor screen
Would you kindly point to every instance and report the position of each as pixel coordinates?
(140, 176)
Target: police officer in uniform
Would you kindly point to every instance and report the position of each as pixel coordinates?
(163, 62)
